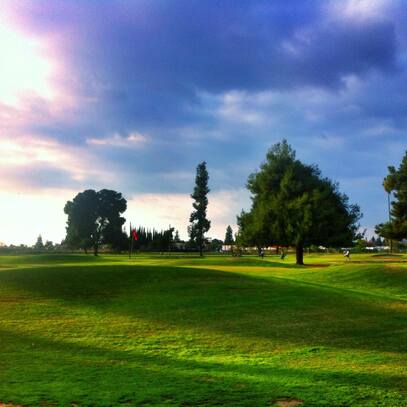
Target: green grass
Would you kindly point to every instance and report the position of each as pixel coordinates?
(184, 331)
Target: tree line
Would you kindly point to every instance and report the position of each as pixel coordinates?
(293, 204)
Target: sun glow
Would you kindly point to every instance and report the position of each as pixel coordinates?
(23, 70)
(29, 215)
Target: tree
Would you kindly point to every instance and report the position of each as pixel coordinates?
(251, 231)
(167, 239)
(49, 245)
(293, 205)
(396, 182)
(215, 245)
(94, 218)
(229, 236)
(39, 245)
(199, 223)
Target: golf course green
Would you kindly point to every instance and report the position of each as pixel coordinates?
(178, 330)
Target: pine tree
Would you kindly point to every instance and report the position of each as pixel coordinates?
(199, 223)
(396, 182)
(293, 205)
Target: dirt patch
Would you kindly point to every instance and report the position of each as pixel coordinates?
(9, 405)
(287, 402)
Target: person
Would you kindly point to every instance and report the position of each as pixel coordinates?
(282, 254)
(262, 253)
(346, 253)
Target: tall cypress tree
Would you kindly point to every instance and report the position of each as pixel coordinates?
(199, 223)
(229, 236)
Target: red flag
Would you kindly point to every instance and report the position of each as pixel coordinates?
(135, 235)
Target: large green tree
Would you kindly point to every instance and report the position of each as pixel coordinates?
(199, 223)
(396, 182)
(293, 205)
(95, 218)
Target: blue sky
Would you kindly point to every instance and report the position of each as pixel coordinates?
(132, 95)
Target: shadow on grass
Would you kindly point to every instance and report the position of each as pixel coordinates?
(230, 261)
(47, 259)
(275, 310)
(65, 372)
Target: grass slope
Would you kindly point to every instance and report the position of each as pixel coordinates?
(182, 331)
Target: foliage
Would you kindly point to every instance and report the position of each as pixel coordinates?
(39, 245)
(215, 245)
(153, 240)
(95, 218)
(229, 236)
(49, 245)
(199, 223)
(293, 205)
(251, 231)
(396, 182)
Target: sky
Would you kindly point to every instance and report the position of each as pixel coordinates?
(132, 95)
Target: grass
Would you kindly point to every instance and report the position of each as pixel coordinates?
(184, 331)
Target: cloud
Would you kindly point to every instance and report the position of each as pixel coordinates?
(36, 163)
(133, 140)
(23, 70)
(359, 10)
(167, 85)
(241, 46)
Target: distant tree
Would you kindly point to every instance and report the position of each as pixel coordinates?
(361, 244)
(199, 223)
(39, 245)
(396, 182)
(251, 231)
(176, 237)
(292, 205)
(48, 245)
(95, 218)
(167, 239)
(154, 240)
(215, 245)
(229, 236)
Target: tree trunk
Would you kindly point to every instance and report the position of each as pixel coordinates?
(201, 250)
(86, 250)
(299, 254)
(388, 205)
(95, 249)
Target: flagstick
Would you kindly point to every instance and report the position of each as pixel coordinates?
(130, 242)
(132, 239)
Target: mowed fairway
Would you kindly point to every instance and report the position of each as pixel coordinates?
(183, 331)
